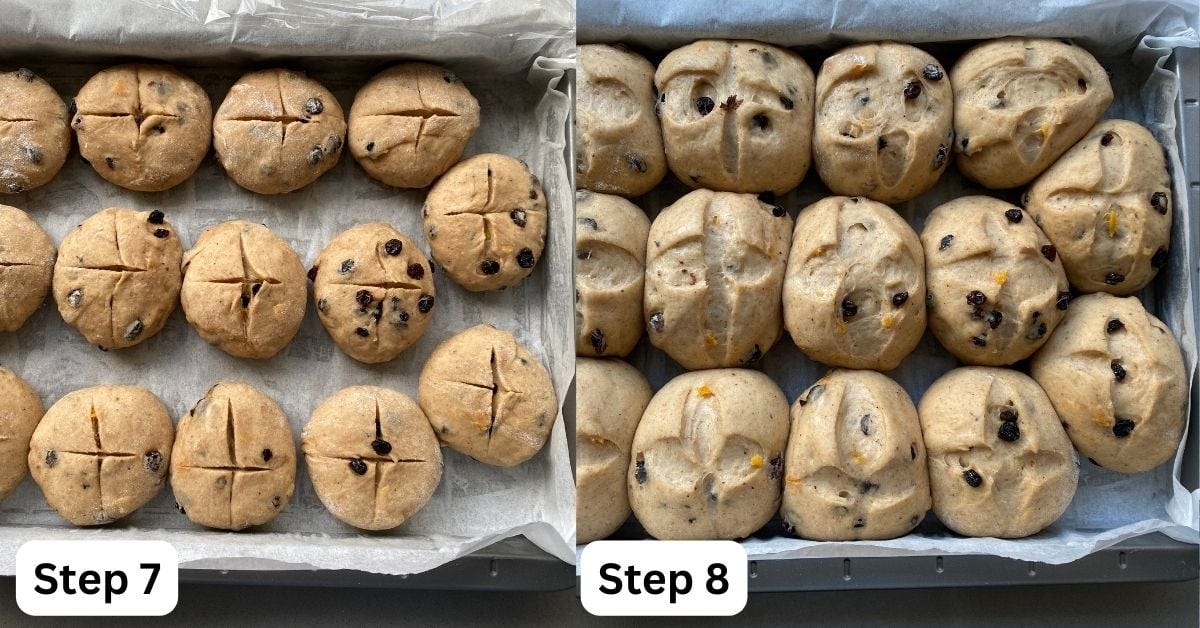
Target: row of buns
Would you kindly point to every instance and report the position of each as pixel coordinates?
(147, 127)
(880, 120)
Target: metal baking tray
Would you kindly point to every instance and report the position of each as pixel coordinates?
(514, 564)
(1148, 558)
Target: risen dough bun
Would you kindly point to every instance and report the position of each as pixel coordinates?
(854, 293)
(999, 462)
(410, 123)
(708, 456)
(996, 286)
(855, 460)
(884, 118)
(714, 276)
(610, 274)
(243, 289)
(618, 145)
(737, 116)
(101, 453)
(610, 399)
(1106, 206)
(26, 266)
(1020, 103)
(1117, 379)
(143, 127)
(34, 133)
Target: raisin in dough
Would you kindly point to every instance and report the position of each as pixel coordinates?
(610, 274)
(101, 453)
(278, 131)
(618, 144)
(410, 123)
(854, 292)
(34, 133)
(1020, 103)
(884, 122)
(243, 289)
(372, 457)
(143, 127)
(486, 222)
(488, 397)
(708, 456)
(374, 292)
(20, 411)
(26, 266)
(996, 287)
(855, 460)
(1106, 206)
(1116, 377)
(736, 116)
(1000, 463)
(249, 480)
(714, 276)
(610, 399)
(117, 277)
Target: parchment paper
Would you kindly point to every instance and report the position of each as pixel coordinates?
(1131, 40)
(513, 75)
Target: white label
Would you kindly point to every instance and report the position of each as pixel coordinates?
(663, 578)
(97, 578)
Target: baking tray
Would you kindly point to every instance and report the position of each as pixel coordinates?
(511, 564)
(1152, 557)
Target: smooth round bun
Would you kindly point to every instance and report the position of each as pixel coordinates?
(101, 453)
(143, 127)
(410, 123)
(372, 457)
(488, 397)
